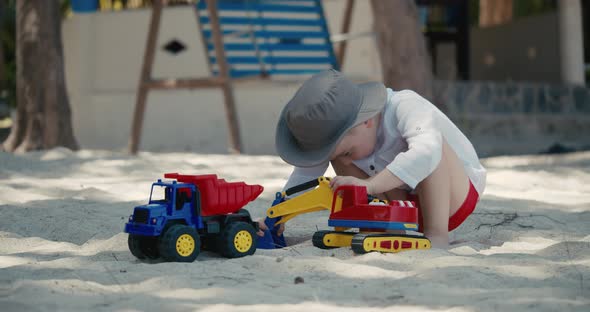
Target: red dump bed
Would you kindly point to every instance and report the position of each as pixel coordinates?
(219, 197)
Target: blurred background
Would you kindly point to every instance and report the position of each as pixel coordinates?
(512, 74)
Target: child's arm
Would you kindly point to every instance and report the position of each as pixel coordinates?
(302, 175)
(416, 121)
(380, 183)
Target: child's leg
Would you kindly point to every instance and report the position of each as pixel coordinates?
(441, 194)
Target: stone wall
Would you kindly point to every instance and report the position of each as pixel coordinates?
(517, 117)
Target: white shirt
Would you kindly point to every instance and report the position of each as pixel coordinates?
(409, 144)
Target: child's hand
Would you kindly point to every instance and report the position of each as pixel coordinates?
(338, 181)
(262, 227)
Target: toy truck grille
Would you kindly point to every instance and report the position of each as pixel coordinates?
(140, 216)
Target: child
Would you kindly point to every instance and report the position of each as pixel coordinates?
(396, 143)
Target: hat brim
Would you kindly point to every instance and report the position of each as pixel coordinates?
(374, 97)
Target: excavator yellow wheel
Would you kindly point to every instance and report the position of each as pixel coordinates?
(332, 239)
(364, 243)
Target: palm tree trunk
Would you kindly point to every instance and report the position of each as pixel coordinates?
(2, 66)
(402, 47)
(43, 116)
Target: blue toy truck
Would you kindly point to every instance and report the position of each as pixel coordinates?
(193, 212)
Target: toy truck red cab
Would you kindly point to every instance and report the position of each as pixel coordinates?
(197, 210)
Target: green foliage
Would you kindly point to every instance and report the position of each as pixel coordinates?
(524, 8)
(66, 8)
(8, 42)
(473, 12)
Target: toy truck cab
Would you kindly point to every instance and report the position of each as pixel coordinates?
(168, 202)
(190, 211)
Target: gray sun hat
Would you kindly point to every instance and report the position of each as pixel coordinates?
(320, 113)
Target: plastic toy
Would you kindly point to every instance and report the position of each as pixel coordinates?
(350, 207)
(271, 238)
(194, 211)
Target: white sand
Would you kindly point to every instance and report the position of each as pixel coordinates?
(526, 248)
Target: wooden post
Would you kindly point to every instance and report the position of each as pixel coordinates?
(230, 109)
(571, 42)
(146, 83)
(495, 12)
(344, 30)
(145, 79)
(203, 39)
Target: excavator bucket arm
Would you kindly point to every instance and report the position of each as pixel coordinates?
(317, 199)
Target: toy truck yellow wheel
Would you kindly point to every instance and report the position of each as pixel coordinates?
(238, 240)
(180, 243)
(243, 241)
(185, 245)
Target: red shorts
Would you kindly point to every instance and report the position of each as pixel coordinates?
(460, 215)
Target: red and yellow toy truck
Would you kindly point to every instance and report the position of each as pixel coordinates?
(192, 209)
(351, 207)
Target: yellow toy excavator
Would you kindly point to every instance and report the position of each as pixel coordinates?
(351, 207)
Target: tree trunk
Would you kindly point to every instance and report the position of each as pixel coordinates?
(2, 66)
(402, 47)
(43, 116)
(495, 12)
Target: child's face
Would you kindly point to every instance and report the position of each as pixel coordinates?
(358, 143)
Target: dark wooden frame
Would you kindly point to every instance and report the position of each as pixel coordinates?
(146, 83)
(344, 29)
